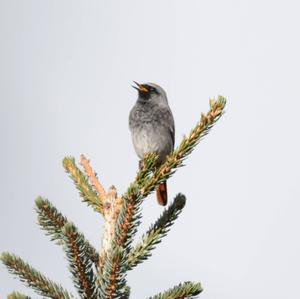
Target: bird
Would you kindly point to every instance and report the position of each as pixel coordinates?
(152, 128)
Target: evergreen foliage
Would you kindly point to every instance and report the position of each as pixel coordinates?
(86, 190)
(183, 290)
(53, 222)
(156, 232)
(16, 295)
(33, 278)
(81, 266)
(112, 281)
(103, 275)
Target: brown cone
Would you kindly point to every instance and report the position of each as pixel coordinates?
(162, 194)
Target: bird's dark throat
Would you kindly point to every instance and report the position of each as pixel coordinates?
(144, 95)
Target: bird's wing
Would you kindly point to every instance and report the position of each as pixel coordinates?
(172, 132)
(169, 120)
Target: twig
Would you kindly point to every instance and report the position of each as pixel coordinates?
(85, 163)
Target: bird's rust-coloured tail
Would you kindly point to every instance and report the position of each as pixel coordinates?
(162, 194)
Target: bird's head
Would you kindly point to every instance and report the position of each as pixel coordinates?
(150, 92)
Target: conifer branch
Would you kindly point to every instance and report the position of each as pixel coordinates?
(93, 177)
(128, 218)
(81, 266)
(52, 221)
(17, 295)
(112, 281)
(175, 160)
(87, 192)
(49, 219)
(156, 232)
(182, 291)
(33, 278)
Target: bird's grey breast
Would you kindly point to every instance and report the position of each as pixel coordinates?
(152, 129)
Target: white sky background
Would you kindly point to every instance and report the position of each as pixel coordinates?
(65, 76)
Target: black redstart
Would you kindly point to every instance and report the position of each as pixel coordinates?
(152, 127)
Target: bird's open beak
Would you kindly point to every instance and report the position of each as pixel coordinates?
(140, 87)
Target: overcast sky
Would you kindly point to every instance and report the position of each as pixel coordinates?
(65, 76)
